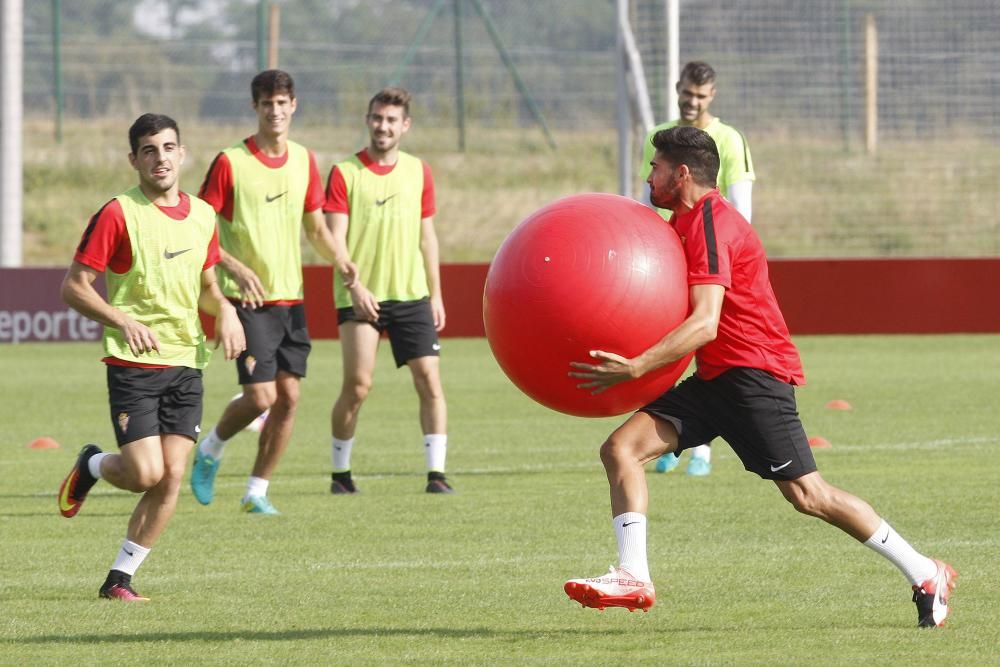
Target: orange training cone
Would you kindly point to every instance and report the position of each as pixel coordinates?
(43, 442)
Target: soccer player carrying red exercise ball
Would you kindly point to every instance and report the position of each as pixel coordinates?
(743, 391)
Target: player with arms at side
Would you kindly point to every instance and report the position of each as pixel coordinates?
(743, 390)
(380, 206)
(265, 189)
(695, 94)
(156, 247)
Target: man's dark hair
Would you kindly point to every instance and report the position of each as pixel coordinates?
(392, 96)
(697, 72)
(272, 82)
(148, 124)
(688, 145)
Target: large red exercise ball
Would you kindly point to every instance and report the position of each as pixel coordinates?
(587, 272)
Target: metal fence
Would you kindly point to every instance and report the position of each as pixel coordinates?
(790, 77)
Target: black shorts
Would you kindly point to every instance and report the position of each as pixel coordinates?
(277, 338)
(154, 401)
(410, 325)
(752, 410)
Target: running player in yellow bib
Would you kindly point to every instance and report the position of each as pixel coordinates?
(156, 247)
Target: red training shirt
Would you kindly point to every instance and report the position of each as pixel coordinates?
(336, 188)
(722, 248)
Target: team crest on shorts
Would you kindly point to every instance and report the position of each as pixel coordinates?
(250, 363)
(123, 421)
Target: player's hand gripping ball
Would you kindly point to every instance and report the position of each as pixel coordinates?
(587, 272)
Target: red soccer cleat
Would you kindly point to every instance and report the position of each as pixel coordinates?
(78, 483)
(617, 588)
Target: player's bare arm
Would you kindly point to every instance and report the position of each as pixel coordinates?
(320, 237)
(700, 327)
(78, 292)
(228, 329)
(364, 302)
(251, 289)
(432, 266)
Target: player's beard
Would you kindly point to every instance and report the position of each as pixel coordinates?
(667, 196)
(160, 185)
(383, 143)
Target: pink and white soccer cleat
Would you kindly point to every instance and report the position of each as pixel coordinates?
(617, 588)
(121, 591)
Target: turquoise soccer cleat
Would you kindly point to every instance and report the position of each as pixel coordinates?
(258, 505)
(667, 462)
(698, 467)
(203, 477)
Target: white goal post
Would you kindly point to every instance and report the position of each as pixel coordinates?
(11, 118)
(635, 110)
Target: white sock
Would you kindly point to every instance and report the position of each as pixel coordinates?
(130, 557)
(94, 464)
(703, 452)
(256, 486)
(630, 529)
(915, 567)
(436, 449)
(212, 445)
(341, 454)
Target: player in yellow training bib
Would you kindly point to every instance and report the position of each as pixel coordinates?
(156, 247)
(265, 190)
(380, 205)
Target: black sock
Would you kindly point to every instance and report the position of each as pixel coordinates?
(117, 577)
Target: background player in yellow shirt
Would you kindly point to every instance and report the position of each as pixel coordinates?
(380, 206)
(265, 189)
(695, 93)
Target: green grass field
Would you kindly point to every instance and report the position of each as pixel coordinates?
(394, 576)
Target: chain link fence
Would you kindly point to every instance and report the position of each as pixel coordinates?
(790, 77)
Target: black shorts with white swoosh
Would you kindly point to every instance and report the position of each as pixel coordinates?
(147, 402)
(751, 410)
(410, 325)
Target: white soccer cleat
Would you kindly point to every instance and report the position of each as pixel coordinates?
(932, 596)
(617, 588)
(257, 425)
